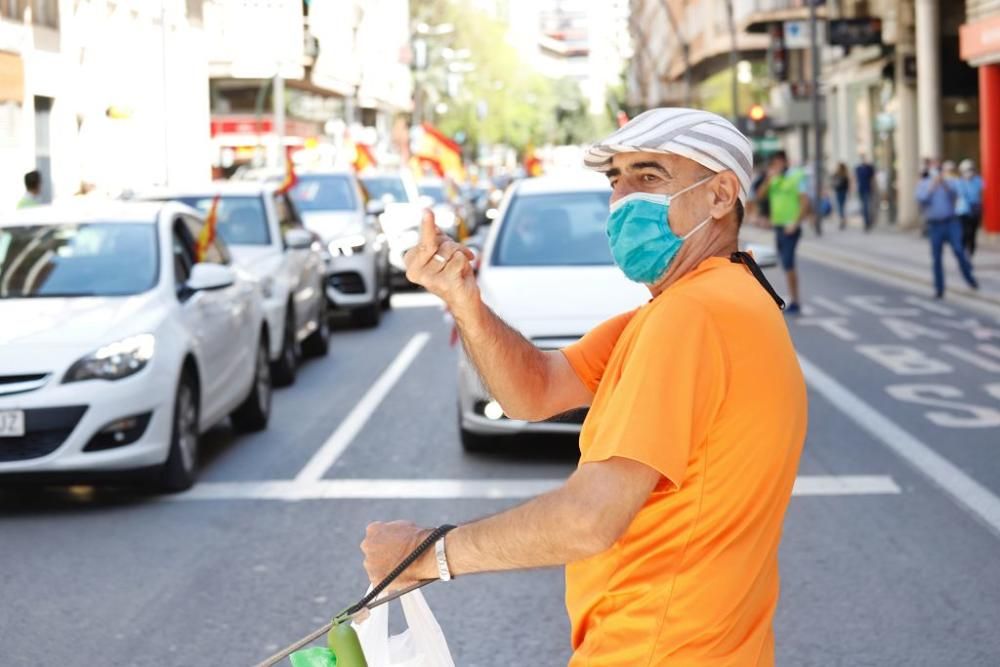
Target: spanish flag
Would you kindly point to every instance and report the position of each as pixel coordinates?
(532, 165)
(363, 158)
(207, 235)
(290, 176)
(438, 149)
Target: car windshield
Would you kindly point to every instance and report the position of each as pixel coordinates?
(564, 229)
(435, 192)
(240, 219)
(67, 260)
(324, 193)
(386, 188)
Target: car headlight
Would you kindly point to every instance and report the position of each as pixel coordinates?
(114, 361)
(347, 245)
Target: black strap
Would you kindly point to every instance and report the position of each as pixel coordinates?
(747, 260)
(437, 534)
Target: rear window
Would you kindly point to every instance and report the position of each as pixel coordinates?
(325, 193)
(241, 219)
(386, 188)
(563, 229)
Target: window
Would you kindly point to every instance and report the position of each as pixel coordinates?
(325, 193)
(287, 217)
(564, 229)
(241, 219)
(70, 260)
(216, 252)
(389, 188)
(183, 251)
(44, 12)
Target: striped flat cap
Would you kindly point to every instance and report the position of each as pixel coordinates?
(702, 136)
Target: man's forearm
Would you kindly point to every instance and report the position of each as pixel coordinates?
(513, 369)
(549, 530)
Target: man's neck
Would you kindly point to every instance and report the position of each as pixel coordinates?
(720, 246)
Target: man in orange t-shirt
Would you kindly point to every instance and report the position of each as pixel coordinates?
(670, 526)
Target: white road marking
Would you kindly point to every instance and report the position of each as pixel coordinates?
(452, 489)
(338, 441)
(831, 305)
(844, 485)
(967, 492)
(416, 300)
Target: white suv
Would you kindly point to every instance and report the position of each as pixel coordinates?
(118, 348)
(262, 229)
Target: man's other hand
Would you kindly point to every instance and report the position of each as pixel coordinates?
(387, 544)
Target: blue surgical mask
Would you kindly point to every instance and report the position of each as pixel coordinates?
(642, 243)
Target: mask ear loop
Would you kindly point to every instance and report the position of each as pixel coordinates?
(696, 228)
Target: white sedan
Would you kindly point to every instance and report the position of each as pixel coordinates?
(547, 270)
(118, 348)
(262, 229)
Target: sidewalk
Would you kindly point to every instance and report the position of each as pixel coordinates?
(902, 254)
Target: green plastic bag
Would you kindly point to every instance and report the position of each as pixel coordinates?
(317, 656)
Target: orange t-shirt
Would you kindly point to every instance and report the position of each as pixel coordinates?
(701, 384)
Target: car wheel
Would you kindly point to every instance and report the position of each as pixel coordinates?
(179, 471)
(318, 343)
(255, 410)
(386, 302)
(283, 370)
(474, 442)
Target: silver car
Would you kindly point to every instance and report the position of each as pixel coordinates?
(333, 206)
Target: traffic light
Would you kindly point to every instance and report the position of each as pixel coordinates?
(757, 113)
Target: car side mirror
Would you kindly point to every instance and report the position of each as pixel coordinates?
(298, 239)
(206, 276)
(375, 207)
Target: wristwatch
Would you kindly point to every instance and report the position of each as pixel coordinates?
(444, 573)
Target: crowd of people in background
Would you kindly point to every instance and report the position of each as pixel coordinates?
(950, 198)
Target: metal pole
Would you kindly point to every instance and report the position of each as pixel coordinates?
(279, 118)
(163, 76)
(816, 118)
(733, 58)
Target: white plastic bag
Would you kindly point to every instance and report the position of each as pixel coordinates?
(422, 644)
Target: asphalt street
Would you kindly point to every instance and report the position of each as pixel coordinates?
(890, 547)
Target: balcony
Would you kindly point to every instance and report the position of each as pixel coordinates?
(757, 16)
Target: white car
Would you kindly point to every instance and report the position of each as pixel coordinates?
(439, 195)
(332, 206)
(547, 270)
(262, 229)
(118, 349)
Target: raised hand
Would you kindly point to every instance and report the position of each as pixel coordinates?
(440, 265)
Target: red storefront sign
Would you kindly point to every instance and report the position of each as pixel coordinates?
(243, 125)
(980, 40)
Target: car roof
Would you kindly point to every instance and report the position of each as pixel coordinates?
(245, 188)
(76, 211)
(570, 181)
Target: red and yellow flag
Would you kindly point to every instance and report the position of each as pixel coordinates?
(363, 157)
(291, 178)
(207, 235)
(532, 165)
(438, 151)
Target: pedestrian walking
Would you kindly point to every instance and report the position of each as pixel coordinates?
(841, 186)
(32, 190)
(937, 197)
(787, 191)
(670, 526)
(969, 207)
(864, 176)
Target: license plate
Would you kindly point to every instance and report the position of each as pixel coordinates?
(11, 423)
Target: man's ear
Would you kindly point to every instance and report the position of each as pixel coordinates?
(725, 189)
